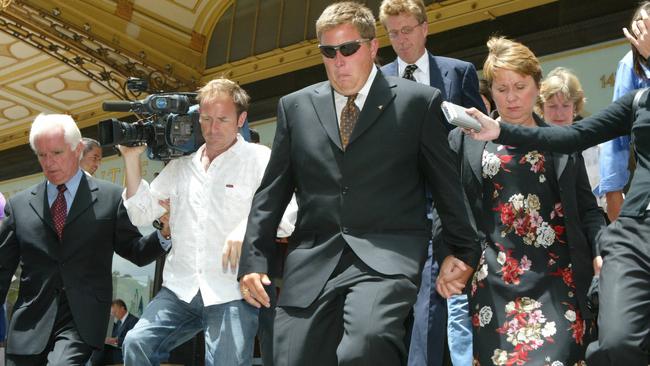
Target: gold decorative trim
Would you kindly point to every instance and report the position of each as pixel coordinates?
(441, 17)
(124, 9)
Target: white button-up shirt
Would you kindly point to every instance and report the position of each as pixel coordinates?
(421, 74)
(340, 100)
(206, 209)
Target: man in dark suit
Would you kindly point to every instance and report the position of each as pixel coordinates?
(356, 150)
(406, 24)
(63, 232)
(124, 322)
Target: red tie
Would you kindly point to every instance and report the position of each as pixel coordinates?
(59, 211)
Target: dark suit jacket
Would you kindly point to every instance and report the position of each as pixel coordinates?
(456, 80)
(79, 266)
(369, 197)
(121, 331)
(618, 119)
(582, 218)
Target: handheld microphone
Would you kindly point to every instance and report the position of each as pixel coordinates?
(457, 116)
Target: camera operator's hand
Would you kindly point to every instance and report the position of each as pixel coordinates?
(133, 176)
(129, 152)
(164, 220)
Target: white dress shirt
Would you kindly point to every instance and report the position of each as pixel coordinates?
(340, 100)
(421, 74)
(206, 209)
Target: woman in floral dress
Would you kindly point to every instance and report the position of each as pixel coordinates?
(538, 220)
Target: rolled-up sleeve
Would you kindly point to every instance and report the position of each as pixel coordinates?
(143, 206)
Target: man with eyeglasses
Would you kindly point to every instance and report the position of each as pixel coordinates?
(357, 151)
(405, 22)
(209, 193)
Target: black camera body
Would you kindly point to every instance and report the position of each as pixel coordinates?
(170, 126)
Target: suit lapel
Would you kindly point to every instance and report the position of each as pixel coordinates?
(474, 155)
(323, 101)
(86, 195)
(438, 77)
(40, 205)
(560, 162)
(381, 94)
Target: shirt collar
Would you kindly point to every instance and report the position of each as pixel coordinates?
(237, 148)
(71, 185)
(124, 317)
(366, 87)
(362, 94)
(422, 63)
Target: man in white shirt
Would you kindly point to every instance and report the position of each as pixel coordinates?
(210, 194)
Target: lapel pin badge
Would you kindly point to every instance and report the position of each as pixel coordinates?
(380, 107)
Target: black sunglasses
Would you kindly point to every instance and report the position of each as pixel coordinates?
(346, 49)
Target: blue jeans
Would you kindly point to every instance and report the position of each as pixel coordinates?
(459, 331)
(168, 322)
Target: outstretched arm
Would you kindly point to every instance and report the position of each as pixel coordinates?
(615, 120)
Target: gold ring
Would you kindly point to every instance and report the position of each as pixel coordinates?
(245, 291)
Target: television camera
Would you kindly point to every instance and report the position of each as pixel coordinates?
(169, 125)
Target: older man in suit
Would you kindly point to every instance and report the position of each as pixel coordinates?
(357, 151)
(406, 24)
(63, 232)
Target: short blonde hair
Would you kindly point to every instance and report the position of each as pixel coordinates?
(510, 55)
(396, 7)
(222, 86)
(347, 12)
(45, 123)
(564, 82)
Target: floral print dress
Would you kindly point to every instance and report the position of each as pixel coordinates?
(523, 304)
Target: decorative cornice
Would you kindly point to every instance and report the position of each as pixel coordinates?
(441, 16)
(102, 63)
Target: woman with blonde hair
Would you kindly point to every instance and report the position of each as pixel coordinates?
(561, 97)
(561, 102)
(538, 220)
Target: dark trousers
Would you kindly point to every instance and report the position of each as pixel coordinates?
(624, 315)
(357, 320)
(65, 347)
(265, 328)
(427, 343)
(110, 355)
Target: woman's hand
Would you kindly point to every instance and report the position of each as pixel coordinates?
(638, 35)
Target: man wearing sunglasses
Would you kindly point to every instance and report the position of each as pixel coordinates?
(405, 22)
(357, 151)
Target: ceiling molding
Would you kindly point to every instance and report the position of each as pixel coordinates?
(144, 37)
(441, 17)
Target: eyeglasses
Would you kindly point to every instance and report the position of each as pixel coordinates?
(406, 30)
(346, 49)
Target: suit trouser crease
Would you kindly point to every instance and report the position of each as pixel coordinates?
(358, 319)
(624, 314)
(65, 347)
